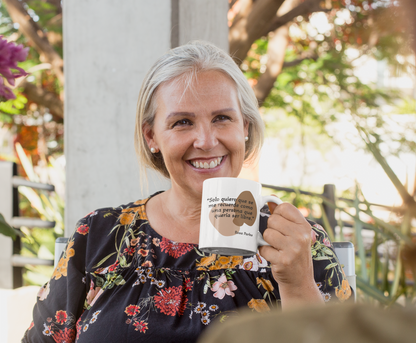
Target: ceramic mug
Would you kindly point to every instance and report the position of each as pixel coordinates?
(230, 216)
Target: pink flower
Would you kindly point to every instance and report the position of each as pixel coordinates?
(10, 54)
(327, 242)
(222, 287)
(93, 294)
(313, 237)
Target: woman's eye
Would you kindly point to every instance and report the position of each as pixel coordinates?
(221, 118)
(182, 122)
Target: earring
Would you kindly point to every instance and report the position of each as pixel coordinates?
(152, 150)
(246, 138)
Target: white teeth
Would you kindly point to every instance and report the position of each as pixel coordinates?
(206, 165)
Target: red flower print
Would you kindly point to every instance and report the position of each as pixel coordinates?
(171, 301)
(83, 229)
(113, 267)
(175, 249)
(32, 324)
(60, 317)
(63, 336)
(140, 326)
(129, 251)
(131, 310)
(78, 327)
(187, 285)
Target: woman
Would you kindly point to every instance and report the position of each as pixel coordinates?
(135, 272)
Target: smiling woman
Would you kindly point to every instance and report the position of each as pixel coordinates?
(135, 272)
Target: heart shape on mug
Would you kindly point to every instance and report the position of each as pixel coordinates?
(228, 218)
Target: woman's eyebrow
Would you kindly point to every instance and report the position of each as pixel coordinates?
(230, 109)
(179, 114)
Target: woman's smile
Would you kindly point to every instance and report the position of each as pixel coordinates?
(206, 163)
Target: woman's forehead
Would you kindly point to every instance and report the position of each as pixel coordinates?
(203, 85)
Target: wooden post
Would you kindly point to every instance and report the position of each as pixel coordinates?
(329, 193)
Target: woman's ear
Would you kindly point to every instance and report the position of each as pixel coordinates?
(246, 126)
(149, 135)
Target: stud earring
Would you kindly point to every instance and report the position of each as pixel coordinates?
(152, 150)
(246, 138)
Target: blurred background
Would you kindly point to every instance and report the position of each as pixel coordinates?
(336, 84)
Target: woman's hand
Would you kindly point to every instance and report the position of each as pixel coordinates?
(289, 253)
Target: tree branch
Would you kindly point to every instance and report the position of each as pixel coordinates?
(253, 19)
(306, 7)
(34, 33)
(43, 97)
(56, 3)
(308, 56)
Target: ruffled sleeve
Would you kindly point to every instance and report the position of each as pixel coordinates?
(60, 301)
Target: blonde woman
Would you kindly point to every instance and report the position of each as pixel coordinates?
(134, 272)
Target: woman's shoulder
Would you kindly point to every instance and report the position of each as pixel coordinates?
(108, 217)
(97, 232)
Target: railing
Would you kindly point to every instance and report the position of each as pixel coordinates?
(11, 268)
(328, 197)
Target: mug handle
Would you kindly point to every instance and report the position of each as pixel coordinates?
(266, 199)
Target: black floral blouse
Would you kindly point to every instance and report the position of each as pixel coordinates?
(120, 281)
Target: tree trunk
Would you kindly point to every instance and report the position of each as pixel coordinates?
(276, 50)
(275, 59)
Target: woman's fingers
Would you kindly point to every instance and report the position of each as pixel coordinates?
(288, 228)
(289, 236)
(275, 238)
(289, 212)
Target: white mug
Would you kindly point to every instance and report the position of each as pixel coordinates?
(230, 216)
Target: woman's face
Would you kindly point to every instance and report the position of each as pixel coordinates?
(199, 130)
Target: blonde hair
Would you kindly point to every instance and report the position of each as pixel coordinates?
(185, 62)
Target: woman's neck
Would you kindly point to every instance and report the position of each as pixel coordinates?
(176, 214)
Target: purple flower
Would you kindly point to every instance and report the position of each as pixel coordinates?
(10, 54)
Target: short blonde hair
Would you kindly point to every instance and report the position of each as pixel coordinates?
(188, 60)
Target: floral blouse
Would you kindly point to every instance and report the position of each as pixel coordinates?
(119, 281)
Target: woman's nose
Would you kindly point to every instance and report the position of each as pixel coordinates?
(205, 139)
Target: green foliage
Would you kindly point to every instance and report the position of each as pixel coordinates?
(12, 107)
(310, 96)
(7, 230)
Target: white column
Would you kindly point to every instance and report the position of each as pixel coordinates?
(6, 209)
(109, 46)
(200, 19)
